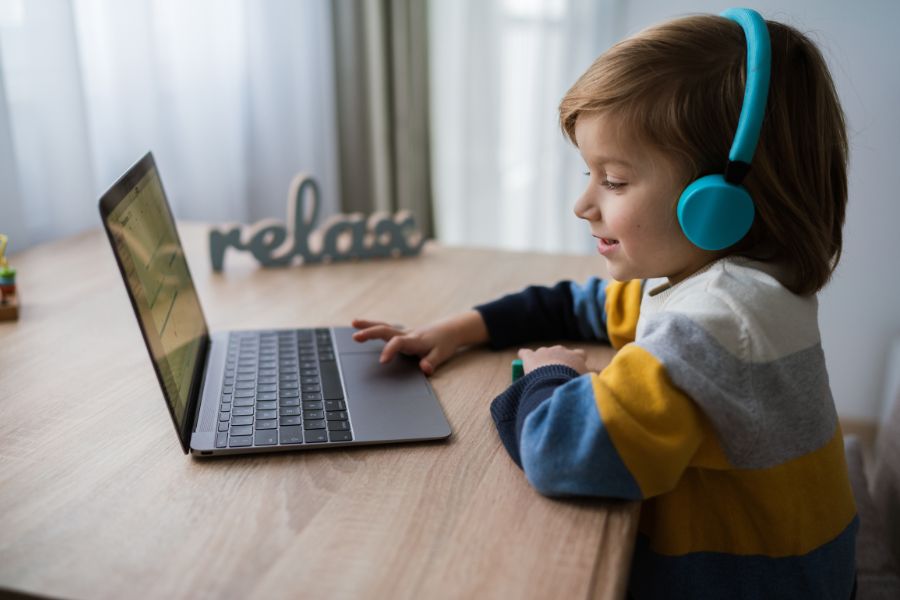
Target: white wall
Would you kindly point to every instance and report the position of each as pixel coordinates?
(860, 309)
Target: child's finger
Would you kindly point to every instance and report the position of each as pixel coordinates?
(382, 332)
(403, 344)
(391, 349)
(365, 323)
(426, 367)
(432, 360)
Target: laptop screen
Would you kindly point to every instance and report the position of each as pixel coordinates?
(142, 232)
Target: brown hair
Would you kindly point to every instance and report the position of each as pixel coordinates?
(679, 87)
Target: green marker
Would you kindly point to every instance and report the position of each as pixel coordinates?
(518, 369)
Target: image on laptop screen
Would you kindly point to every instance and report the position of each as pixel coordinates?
(160, 285)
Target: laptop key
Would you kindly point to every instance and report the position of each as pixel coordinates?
(291, 435)
(318, 424)
(265, 414)
(316, 436)
(313, 414)
(291, 420)
(336, 415)
(314, 405)
(286, 411)
(266, 437)
(223, 425)
(335, 405)
(242, 440)
(242, 410)
(238, 430)
(267, 405)
(243, 402)
(221, 440)
(224, 416)
(338, 425)
(242, 420)
(265, 424)
(340, 436)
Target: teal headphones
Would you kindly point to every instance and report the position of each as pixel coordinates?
(716, 211)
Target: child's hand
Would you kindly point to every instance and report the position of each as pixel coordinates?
(434, 344)
(555, 355)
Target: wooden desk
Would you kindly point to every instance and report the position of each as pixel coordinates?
(98, 501)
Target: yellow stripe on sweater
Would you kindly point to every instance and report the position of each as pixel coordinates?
(787, 510)
(623, 307)
(655, 428)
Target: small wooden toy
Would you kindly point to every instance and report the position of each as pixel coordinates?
(9, 303)
(345, 237)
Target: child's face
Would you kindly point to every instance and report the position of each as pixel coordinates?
(630, 205)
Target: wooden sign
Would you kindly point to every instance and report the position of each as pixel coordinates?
(344, 237)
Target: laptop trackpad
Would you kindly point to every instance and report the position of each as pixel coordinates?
(391, 402)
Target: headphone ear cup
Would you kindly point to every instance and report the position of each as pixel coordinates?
(715, 214)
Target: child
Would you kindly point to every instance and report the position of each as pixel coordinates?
(716, 410)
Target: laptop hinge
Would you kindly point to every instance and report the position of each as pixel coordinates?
(197, 394)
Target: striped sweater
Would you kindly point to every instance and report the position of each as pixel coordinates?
(715, 412)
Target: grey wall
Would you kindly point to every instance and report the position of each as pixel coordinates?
(860, 309)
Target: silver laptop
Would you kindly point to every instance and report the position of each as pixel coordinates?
(253, 391)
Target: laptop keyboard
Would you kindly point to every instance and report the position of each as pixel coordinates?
(281, 388)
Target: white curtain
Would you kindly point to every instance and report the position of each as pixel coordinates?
(232, 96)
(503, 174)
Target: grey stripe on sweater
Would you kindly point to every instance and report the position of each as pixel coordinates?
(764, 413)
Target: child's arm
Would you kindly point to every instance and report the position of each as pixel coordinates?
(626, 432)
(597, 310)
(434, 343)
(565, 311)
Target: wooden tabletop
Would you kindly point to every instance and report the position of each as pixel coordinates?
(98, 501)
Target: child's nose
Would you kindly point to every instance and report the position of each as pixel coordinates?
(585, 209)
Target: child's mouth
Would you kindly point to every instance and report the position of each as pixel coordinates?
(606, 245)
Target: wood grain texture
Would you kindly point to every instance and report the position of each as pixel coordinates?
(97, 500)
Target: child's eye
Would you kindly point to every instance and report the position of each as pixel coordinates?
(611, 185)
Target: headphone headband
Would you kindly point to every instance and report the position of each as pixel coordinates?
(715, 211)
(756, 90)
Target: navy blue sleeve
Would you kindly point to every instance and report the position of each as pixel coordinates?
(551, 427)
(510, 408)
(566, 311)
